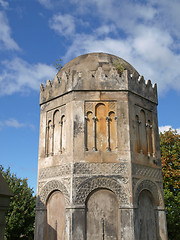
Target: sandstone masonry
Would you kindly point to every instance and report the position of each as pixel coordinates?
(99, 169)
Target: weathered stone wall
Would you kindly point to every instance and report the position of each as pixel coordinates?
(99, 157)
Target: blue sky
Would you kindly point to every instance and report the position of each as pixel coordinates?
(34, 33)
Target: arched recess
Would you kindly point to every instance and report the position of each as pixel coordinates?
(89, 131)
(49, 138)
(51, 186)
(56, 135)
(137, 143)
(150, 186)
(63, 135)
(56, 214)
(101, 129)
(146, 217)
(85, 188)
(102, 215)
(147, 201)
(149, 138)
(112, 131)
(143, 135)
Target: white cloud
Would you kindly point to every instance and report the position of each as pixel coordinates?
(132, 30)
(6, 41)
(149, 53)
(46, 3)
(105, 29)
(20, 76)
(167, 127)
(14, 123)
(4, 4)
(63, 24)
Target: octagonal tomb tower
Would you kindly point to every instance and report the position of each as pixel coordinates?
(99, 168)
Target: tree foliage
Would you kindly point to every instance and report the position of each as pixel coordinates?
(170, 157)
(21, 213)
(58, 64)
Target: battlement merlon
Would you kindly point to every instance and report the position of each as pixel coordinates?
(98, 80)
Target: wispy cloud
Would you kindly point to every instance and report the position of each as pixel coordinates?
(167, 127)
(46, 3)
(20, 76)
(50, 4)
(6, 41)
(14, 123)
(4, 4)
(135, 31)
(63, 24)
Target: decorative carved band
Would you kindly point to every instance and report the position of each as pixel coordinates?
(100, 182)
(150, 186)
(49, 172)
(50, 187)
(143, 171)
(101, 168)
(84, 169)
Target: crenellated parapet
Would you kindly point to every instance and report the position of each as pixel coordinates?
(102, 74)
(141, 87)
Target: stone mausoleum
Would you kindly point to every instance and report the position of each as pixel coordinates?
(99, 169)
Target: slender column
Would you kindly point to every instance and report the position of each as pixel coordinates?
(60, 147)
(108, 133)
(140, 137)
(52, 151)
(94, 133)
(138, 122)
(115, 118)
(153, 142)
(46, 141)
(148, 134)
(85, 134)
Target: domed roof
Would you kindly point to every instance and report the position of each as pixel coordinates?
(97, 72)
(92, 61)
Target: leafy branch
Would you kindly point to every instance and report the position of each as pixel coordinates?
(119, 66)
(58, 64)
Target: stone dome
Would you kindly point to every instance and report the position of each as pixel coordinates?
(97, 72)
(92, 61)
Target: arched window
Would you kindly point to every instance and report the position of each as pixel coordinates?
(89, 131)
(56, 135)
(112, 130)
(102, 216)
(149, 137)
(63, 134)
(137, 143)
(55, 216)
(143, 135)
(49, 138)
(101, 129)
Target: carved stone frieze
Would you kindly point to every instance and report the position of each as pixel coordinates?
(52, 186)
(100, 182)
(150, 186)
(78, 181)
(62, 170)
(148, 172)
(101, 168)
(41, 184)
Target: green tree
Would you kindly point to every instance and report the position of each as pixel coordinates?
(21, 213)
(170, 158)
